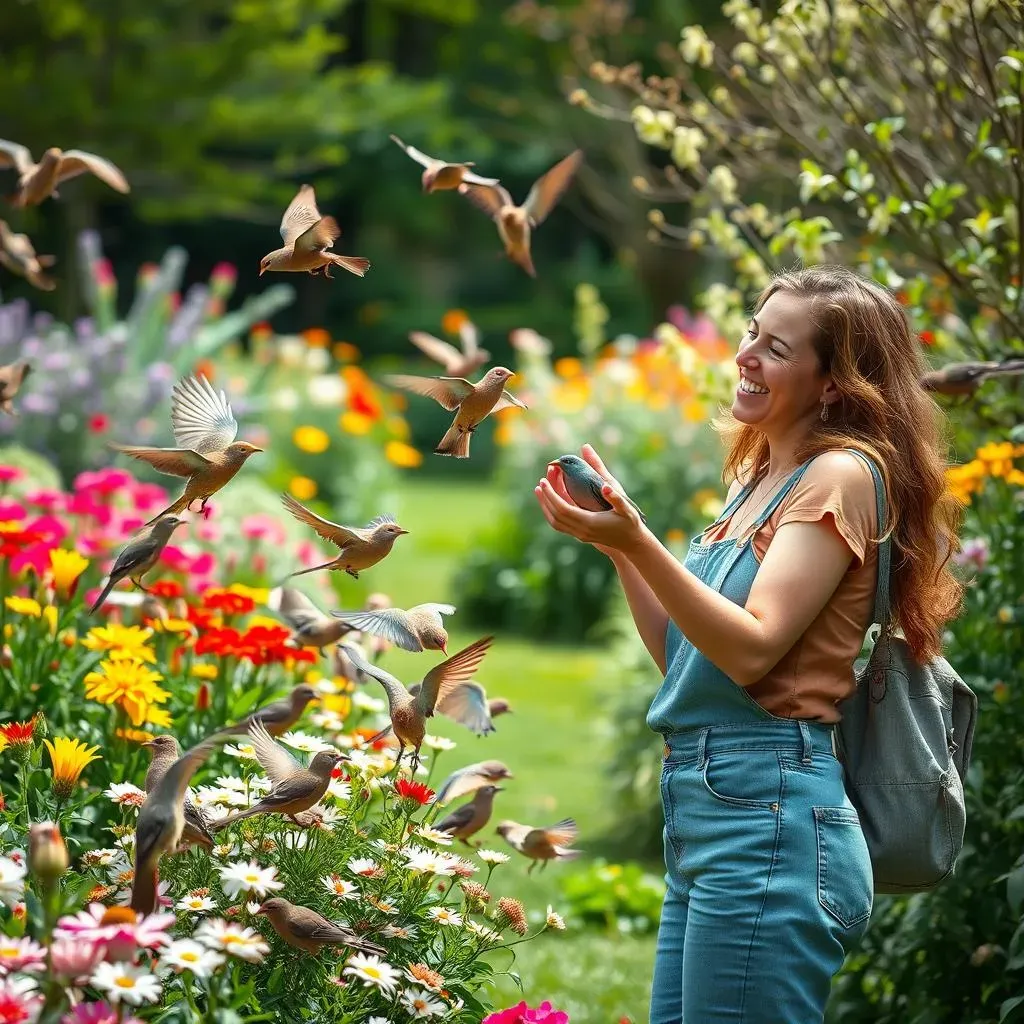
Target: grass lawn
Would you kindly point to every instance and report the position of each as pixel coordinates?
(552, 742)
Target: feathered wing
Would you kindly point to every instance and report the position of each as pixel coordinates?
(450, 392)
(459, 818)
(466, 703)
(134, 554)
(417, 155)
(76, 161)
(295, 608)
(13, 153)
(469, 338)
(275, 760)
(334, 532)
(508, 401)
(300, 215)
(172, 461)
(551, 186)
(318, 236)
(563, 833)
(389, 623)
(443, 678)
(201, 417)
(490, 199)
(395, 688)
(440, 351)
(517, 834)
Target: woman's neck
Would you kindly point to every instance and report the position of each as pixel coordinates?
(783, 450)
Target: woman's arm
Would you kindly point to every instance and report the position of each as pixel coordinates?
(649, 617)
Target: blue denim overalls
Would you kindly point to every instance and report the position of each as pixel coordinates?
(769, 879)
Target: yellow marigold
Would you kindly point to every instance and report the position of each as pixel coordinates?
(115, 637)
(173, 626)
(133, 735)
(310, 439)
(398, 453)
(568, 366)
(316, 337)
(128, 683)
(345, 352)
(966, 480)
(302, 487)
(65, 568)
(695, 411)
(339, 703)
(263, 620)
(24, 606)
(68, 758)
(356, 423)
(452, 321)
(203, 671)
(257, 594)
(1015, 478)
(398, 427)
(997, 457)
(160, 717)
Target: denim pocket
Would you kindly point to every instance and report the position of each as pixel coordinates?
(749, 778)
(845, 883)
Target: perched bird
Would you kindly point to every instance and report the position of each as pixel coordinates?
(472, 403)
(161, 823)
(278, 716)
(18, 255)
(541, 844)
(293, 788)
(409, 711)
(361, 547)
(36, 181)
(12, 377)
(310, 626)
(471, 778)
(966, 378)
(467, 820)
(515, 223)
(139, 555)
(439, 175)
(307, 930)
(584, 484)
(307, 238)
(208, 454)
(165, 751)
(456, 363)
(418, 629)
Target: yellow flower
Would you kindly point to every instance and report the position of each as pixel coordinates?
(310, 439)
(51, 615)
(965, 480)
(675, 536)
(398, 427)
(203, 671)
(345, 352)
(708, 502)
(568, 366)
(160, 717)
(24, 606)
(66, 567)
(357, 423)
(996, 457)
(257, 594)
(1015, 478)
(3, 741)
(302, 487)
(694, 411)
(68, 757)
(173, 626)
(263, 620)
(128, 683)
(339, 703)
(127, 641)
(133, 735)
(398, 453)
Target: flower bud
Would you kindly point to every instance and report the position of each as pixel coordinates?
(47, 854)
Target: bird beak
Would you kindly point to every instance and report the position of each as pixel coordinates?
(261, 270)
(444, 650)
(149, 744)
(260, 911)
(508, 775)
(499, 789)
(401, 531)
(256, 449)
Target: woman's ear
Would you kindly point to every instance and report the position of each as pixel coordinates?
(829, 393)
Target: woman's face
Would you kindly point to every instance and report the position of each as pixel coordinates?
(781, 383)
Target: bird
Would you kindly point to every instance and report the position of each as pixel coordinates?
(417, 629)
(409, 711)
(516, 223)
(161, 823)
(498, 706)
(439, 175)
(165, 751)
(305, 929)
(12, 376)
(310, 626)
(465, 703)
(584, 485)
(361, 547)
(138, 556)
(278, 716)
(456, 363)
(966, 378)
(541, 844)
(37, 181)
(18, 255)
(472, 403)
(208, 454)
(307, 238)
(293, 788)
(471, 778)
(471, 817)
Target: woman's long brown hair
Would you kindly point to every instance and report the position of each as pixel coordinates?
(864, 341)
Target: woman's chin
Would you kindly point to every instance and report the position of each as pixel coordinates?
(742, 413)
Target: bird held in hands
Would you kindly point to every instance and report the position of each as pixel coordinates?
(966, 378)
(584, 485)
(417, 629)
(471, 817)
(12, 376)
(310, 626)
(37, 181)
(455, 362)
(165, 751)
(208, 455)
(439, 175)
(471, 403)
(18, 255)
(308, 239)
(305, 929)
(471, 778)
(541, 845)
(138, 556)
(278, 716)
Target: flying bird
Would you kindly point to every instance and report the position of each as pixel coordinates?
(966, 378)
(541, 844)
(208, 455)
(471, 778)
(36, 181)
(18, 255)
(418, 629)
(165, 751)
(278, 716)
(310, 626)
(584, 485)
(456, 362)
(471, 403)
(307, 930)
(439, 175)
(308, 237)
(12, 377)
(516, 223)
(361, 547)
(471, 817)
(138, 556)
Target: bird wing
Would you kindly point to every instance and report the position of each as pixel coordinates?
(276, 761)
(517, 834)
(564, 833)
(300, 215)
(489, 198)
(395, 688)
(151, 830)
(13, 153)
(417, 155)
(450, 392)
(172, 461)
(469, 338)
(466, 780)
(390, 623)
(12, 376)
(440, 351)
(318, 236)
(466, 703)
(507, 401)
(297, 609)
(201, 418)
(76, 161)
(459, 818)
(134, 554)
(334, 532)
(299, 784)
(551, 186)
(443, 678)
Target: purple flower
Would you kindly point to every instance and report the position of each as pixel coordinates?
(974, 552)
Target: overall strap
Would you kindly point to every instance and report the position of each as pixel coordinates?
(883, 608)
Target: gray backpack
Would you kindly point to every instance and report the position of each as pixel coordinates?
(905, 741)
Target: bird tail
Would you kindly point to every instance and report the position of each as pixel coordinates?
(172, 510)
(455, 442)
(104, 593)
(365, 946)
(564, 853)
(144, 892)
(217, 826)
(357, 265)
(315, 568)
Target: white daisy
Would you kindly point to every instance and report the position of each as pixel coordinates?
(429, 862)
(555, 921)
(253, 907)
(363, 866)
(482, 932)
(245, 943)
(364, 702)
(438, 742)
(433, 835)
(223, 850)
(248, 876)
(125, 983)
(340, 790)
(361, 761)
(12, 881)
(340, 887)
(420, 1003)
(243, 751)
(443, 915)
(492, 856)
(304, 741)
(189, 955)
(207, 796)
(378, 1020)
(328, 818)
(395, 931)
(105, 858)
(124, 794)
(232, 782)
(371, 970)
(195, 904)
(260, 784)
(329, 721)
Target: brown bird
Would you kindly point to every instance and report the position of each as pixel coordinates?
(138, 556)
(361, 547)
(18, 255)
(207, 454)
(515, 223)
(310, 626)
(161, 823)
(471, 403)
(966, 378)
(409, 711)
(278, 716)
(456, 362)
(12, 377)
(36, 181)
(418, 629)
(294, 788)
(467, 704)
(307, 930)
(165, 751)
(471, 778)
(541, 844)
(467, 820)
(439, 175)
(307, 239)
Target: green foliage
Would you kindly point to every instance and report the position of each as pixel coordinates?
(620, 897)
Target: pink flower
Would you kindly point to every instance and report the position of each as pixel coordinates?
(10, 509)
(973, 552)
(104, 481)
(307, 553)
(8, 474)
(104, 274)
(148, 496)
(95, 1013)
(118, 931)
(208, 532)
(261, 526)
(522, 1014)
(98, 423)
(224, 271)
(45, 498)
(19, 1000)
(21, 955)
(73, 960)
(35, 557)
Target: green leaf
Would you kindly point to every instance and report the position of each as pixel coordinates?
(1015, 888)
(1008, 1006)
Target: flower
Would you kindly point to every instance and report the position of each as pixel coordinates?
(244, 943)
(193, 904)
(21, 955)
(312, 440)
(12, 881)
(24, 606)
(420, 1003)
(19, 1000)
(428, 862)
(126, 983)
(338, 886)
(119, 930)
(443, 915)
(19, 734)
(433, 835)
(454, 320)
(372, 970)
(492, 856)
(522, 1014)
(482, 932)
(129, 683)
(187, 954)
(439, 743)
(228, 601)
(363, 866)
(130, 641)
(414, 791)
(403, 455)
(302, 487)
(65, 568)
(510, 913)
(248, 877)
(125, 794)
(554, 921)
(425, 976)
(974, 552)
(73, 960)
(68, 757)
(476, 893)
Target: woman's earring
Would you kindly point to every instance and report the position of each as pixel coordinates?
(824, 412)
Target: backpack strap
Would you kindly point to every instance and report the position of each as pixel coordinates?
(883, 607)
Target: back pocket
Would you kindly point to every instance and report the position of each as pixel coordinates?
(845, 884)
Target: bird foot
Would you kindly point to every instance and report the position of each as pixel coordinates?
(354, 573)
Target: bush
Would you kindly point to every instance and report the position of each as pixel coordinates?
(619, 897)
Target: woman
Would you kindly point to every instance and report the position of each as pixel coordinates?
(769, 879)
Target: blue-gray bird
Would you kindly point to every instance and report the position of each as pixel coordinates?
(138, 556)
(583, 484)
(467, 820)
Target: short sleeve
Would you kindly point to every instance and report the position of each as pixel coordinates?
(840, 484)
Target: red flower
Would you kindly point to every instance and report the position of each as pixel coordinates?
(221, 641)
(229, 603)
(201, 618)
(167, 589)
(98, 423)
(203, 698)
(927, 337)
(17, 733)
(14, 542)
(418, 791)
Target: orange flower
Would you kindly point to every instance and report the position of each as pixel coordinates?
(316, 337)
(568, 366)
(228, 602)
(452, 321)
(302, 487)
(205, 367)
(260, 331)
(398, 453)
(362, 394)
(345, 352)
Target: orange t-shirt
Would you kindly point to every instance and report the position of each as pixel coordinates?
(818, 670)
